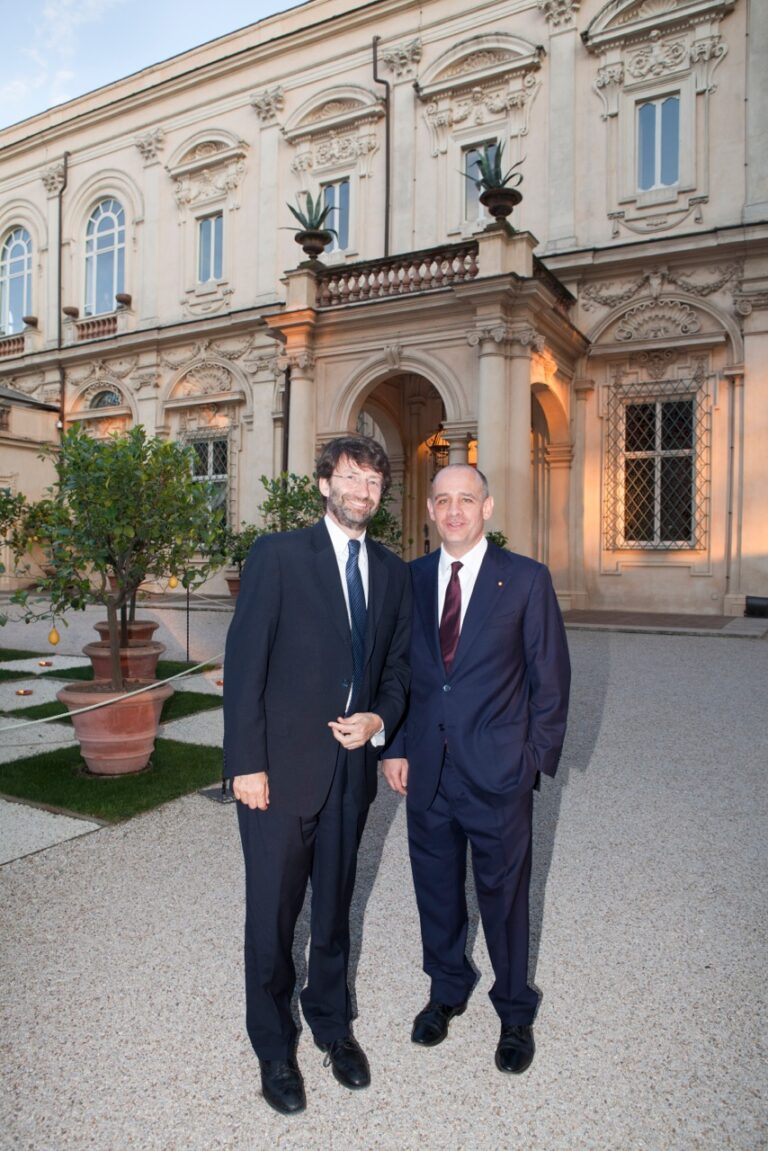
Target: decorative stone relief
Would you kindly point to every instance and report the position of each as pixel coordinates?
(656, 363)
(747, 302)
(658, 58)
(403, 58)
(204, 379)
(480, 105)
(268, 103)
(658, 319)
(336, 132)
(502, 334)
(608, 85)
(393, 354)
(558, 12)
(151, 144)
(53, 178)
(210, 170)
(701, 282)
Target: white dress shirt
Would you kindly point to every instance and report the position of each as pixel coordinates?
(340, 542)
(467, 575)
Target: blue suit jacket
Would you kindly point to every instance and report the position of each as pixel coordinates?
(503, 708)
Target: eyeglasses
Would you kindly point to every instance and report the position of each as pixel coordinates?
(352, 479)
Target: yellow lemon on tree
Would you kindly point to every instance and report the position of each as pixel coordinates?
(53, 636)
(173, 582)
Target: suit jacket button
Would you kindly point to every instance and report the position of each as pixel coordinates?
(446, 687)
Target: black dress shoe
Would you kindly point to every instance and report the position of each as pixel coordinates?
(348, 1060)
(430, 1026)
(515, 1050)
(282, 1085)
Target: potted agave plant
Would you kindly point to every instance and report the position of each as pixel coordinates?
(313, 235)
(498, 189)
(120, 507)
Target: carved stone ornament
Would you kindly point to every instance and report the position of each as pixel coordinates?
(658, 319)
(207, 351)
(558, 12)
(334, 150)
(747, 302)
(657, 362)
(53, 178)
(502, 334)
(700, 282)
(209, 170)
(268, 103)
(480, 105)
(620, 22)
(204, 379)
(151, 144)
(393, 354)
(93, 390)
(657, 58)
(403, 58)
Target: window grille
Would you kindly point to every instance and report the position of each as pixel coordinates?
(210, 465)
(657, 466)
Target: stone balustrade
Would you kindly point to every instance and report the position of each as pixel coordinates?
(424, 271)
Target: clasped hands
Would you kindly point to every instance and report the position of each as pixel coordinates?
(352, 731)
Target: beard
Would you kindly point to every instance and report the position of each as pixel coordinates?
(349, 517)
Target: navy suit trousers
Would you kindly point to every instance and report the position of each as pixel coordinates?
(499, 833)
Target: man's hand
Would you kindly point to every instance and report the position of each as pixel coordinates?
(354, 731)
(396, 774)
(252, 790)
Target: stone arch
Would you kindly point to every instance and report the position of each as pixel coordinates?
(24, 214)
(107, 183)
(334, 107)
(491, 54)
(208, 378)
(555, 414)
(210, 144)
(103, 421)
(365, 377)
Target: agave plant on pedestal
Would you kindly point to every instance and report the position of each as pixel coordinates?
(120, 507)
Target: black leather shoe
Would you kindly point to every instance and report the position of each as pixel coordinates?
(348, 1060)
(430, 1026)
(515, 1050)
(282, 1085)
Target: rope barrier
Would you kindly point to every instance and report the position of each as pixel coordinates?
(114, 699)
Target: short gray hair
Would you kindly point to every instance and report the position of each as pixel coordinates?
(480, 475)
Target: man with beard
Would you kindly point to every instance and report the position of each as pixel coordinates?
(316, 673)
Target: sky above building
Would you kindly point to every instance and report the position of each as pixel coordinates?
(54, 50)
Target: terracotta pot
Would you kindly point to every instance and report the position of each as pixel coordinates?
(136, 662)
(119, 738)
(500, 201)
(233, 583)
(139, 631)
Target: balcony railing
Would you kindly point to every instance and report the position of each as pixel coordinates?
(98, 326)
(12, 345)
(424, 271)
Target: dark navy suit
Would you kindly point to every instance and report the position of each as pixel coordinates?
(476, 740)
(287, 672)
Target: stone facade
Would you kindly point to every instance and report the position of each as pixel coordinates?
(604, 364)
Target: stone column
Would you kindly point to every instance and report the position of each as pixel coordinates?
(493, 416)
(559, 458)
(518, 521)
(735, 593)
(756, 205)
(150, 145)
(301, 415)
(458, 433)
(583, 389)
(50, 317)
(563, 44)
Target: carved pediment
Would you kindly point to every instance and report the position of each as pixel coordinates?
(478, 61)
(204, 379)
(338, 109)
(207, 168)
(622, 20)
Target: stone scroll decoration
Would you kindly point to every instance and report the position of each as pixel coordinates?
(335, 132)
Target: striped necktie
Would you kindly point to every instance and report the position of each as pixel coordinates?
(358, 616)
(450, 621)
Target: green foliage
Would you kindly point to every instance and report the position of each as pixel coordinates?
(313, 215)
(295, 502)
(490, 173)
(497, 538)
(121, 507)
(236, 544)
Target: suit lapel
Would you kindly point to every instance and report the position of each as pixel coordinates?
(327, 575)
(425, 597)
(378, 578)
(489, 585)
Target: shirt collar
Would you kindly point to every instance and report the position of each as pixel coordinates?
(471, 559)
(339, 538)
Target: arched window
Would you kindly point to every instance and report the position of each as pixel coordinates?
(104, 257)
(106, 399)
(15, 281)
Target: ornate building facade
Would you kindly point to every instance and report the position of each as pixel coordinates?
(605, 363)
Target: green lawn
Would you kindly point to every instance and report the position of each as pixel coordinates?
(60, 779)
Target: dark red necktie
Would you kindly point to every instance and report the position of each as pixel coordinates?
(450, 621)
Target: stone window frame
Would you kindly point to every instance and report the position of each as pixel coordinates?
(482, 88)
(24, 237)
(644, 54)
(207, 171)
(334, 136)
